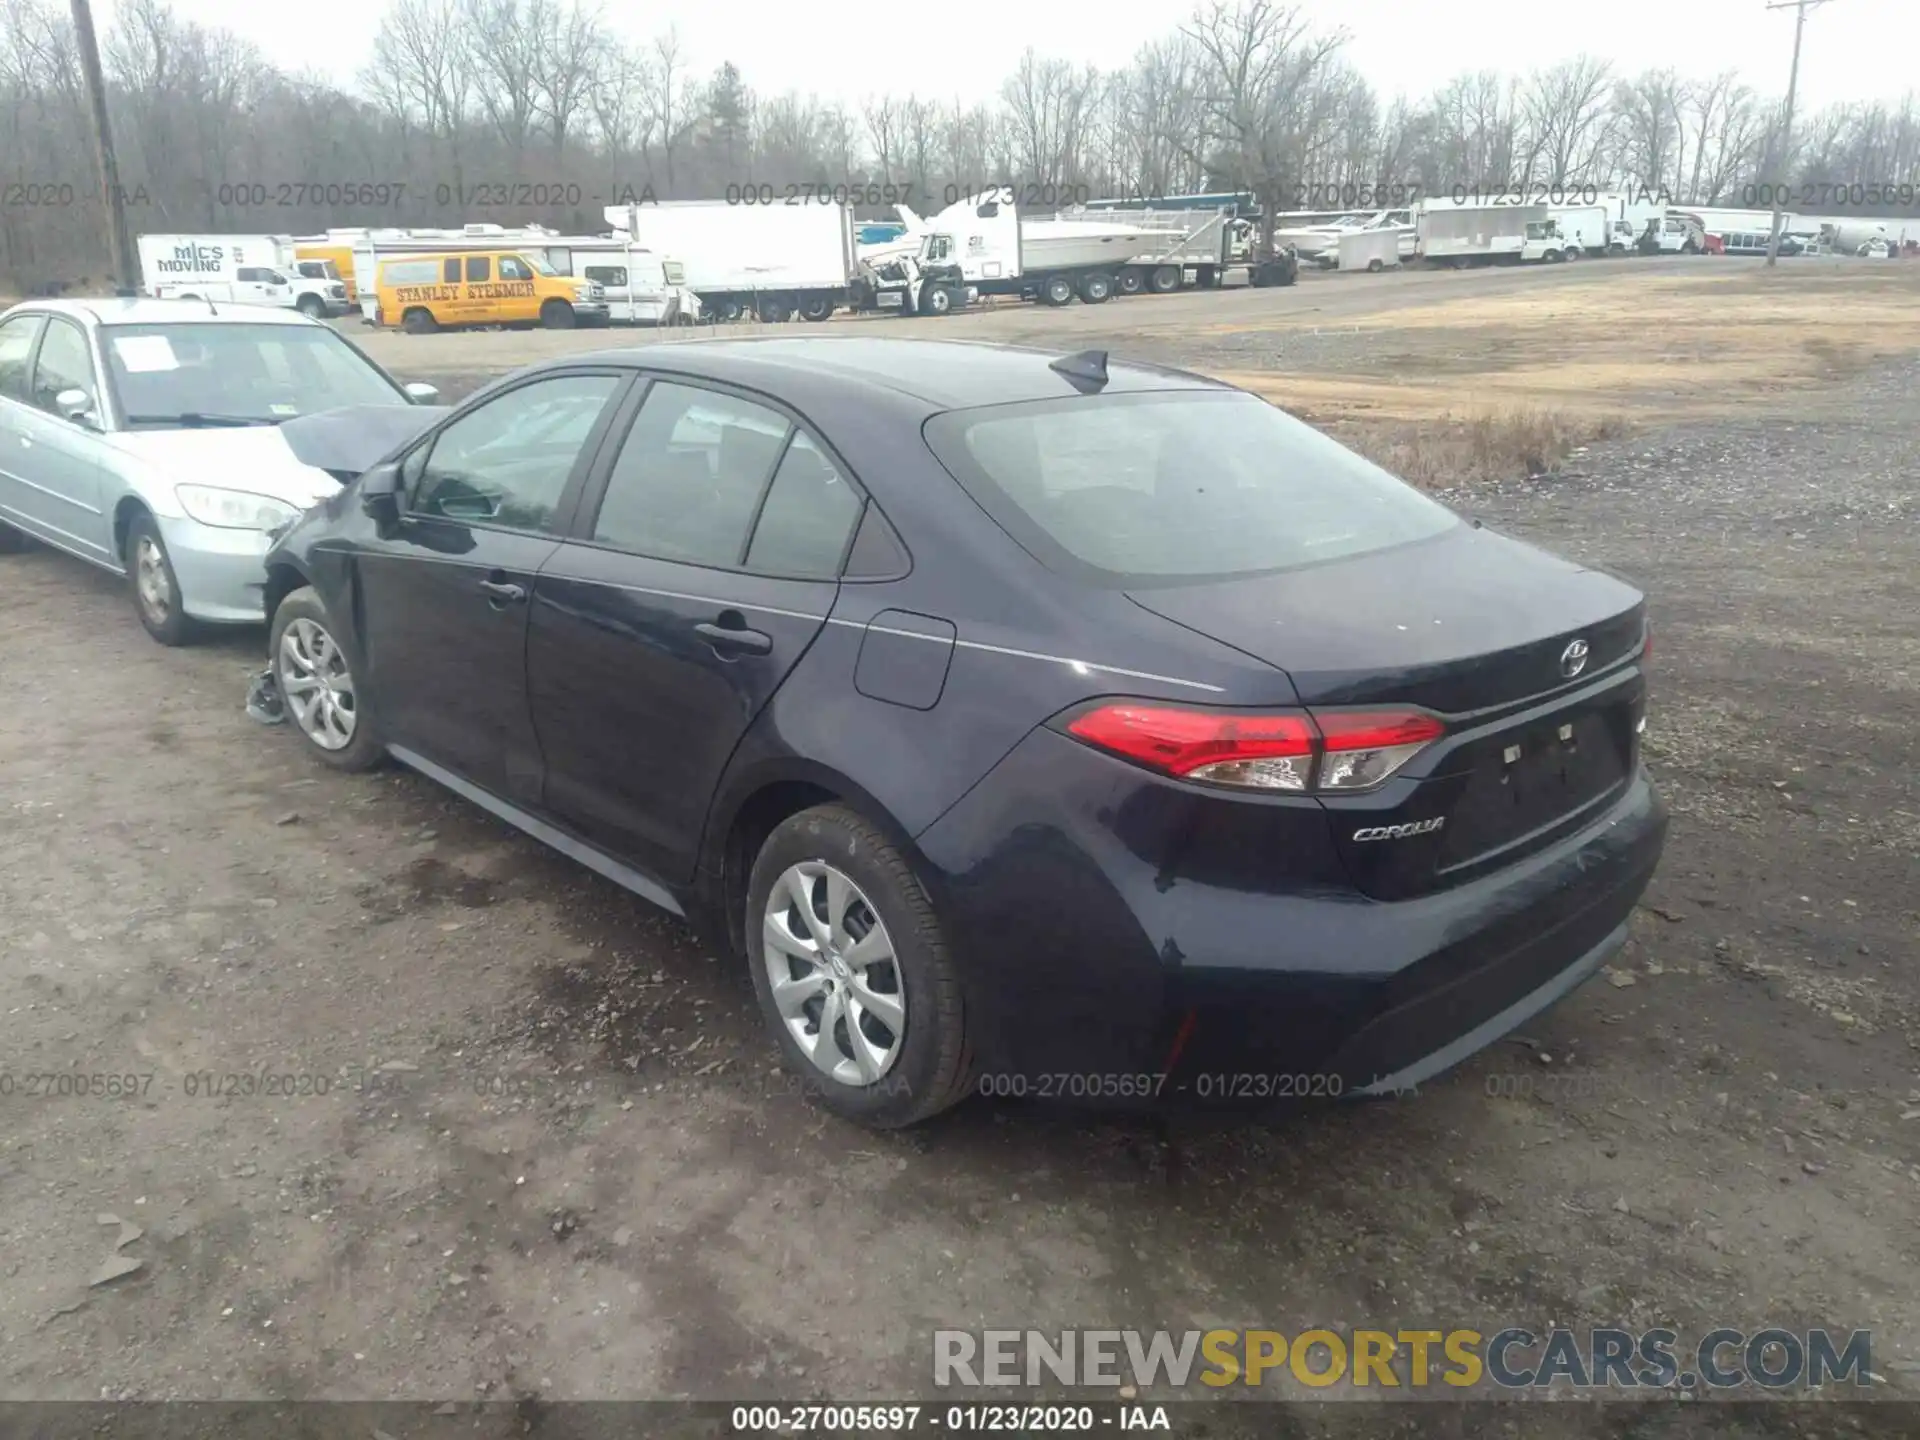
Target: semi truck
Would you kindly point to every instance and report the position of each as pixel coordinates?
(981, 245)
(773, 261)
(239, 269)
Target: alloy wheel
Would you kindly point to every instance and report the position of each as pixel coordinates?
(835, 980)
(316, 684)
(151, 581)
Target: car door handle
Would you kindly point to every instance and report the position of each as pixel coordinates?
(730, 637)
(503, 592)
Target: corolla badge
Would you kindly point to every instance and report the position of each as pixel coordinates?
(1573, 659)
(1400, 832)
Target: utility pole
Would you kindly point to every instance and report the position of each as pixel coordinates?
(1782, 154)
(110, 193)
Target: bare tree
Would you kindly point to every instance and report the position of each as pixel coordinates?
(1567, 119)
(1049, 109)
(570, 48)
(1260, 69)
(1652, 128)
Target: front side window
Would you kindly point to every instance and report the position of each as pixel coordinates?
(512, 267)
(690, 475)
(64, 364)
(16, 344)
(507, 462)
(1168, 487)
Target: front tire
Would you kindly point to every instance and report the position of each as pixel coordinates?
(853, 973)
(312, 306)
(317, 685)
(156, 589)
(558, 315)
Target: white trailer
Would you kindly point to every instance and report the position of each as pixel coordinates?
(239, 269)
(1372, 249)
(1473, 234)
(773, 261)
(1192, 247)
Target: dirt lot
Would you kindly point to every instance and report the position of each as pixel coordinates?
(554, 1160)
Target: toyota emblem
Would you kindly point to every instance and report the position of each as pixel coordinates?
(1573, 659)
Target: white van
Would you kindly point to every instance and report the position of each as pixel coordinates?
(240, 269)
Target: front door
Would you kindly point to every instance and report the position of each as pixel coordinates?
(703, 565)
(445, 595)
(59, 461)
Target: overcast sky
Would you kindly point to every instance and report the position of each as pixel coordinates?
(1855, 49)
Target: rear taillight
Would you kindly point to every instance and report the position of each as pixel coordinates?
(1331, 752)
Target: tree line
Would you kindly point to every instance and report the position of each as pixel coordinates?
(522, 110)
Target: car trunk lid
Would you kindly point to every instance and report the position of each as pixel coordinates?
(1526, 656)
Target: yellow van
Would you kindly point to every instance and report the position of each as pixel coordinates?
(424, 292)
(336, 262)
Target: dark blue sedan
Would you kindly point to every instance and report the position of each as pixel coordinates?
(1025, 722)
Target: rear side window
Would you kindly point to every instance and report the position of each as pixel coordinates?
(809, 516)
(1169, 487)
(411, 272)
(690, 476)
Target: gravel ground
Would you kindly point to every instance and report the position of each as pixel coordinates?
(553, 1160)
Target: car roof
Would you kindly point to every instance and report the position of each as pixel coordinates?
(143, 310)
(942, 374)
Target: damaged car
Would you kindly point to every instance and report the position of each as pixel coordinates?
(165, 440)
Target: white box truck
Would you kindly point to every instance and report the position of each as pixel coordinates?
(773, 261)
(1474, 234)
(1587, 229)
(239, 269)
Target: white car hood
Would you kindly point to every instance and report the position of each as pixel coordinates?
(255, 459)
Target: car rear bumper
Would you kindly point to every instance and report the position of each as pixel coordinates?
(221, 572)
(1098, 946)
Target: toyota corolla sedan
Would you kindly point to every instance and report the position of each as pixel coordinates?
(1026, 723)
(163, 440)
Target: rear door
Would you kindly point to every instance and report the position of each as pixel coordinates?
(705, 560)
(444, 597)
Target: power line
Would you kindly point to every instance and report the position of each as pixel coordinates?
(1784, 153)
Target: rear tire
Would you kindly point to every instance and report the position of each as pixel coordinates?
(1056, 290)
(419, 322)
(923, 1064)
(1165, 280)
(313, 686)
(725, 312)
(775, 309)
(156, 589)
(816, 308)
(558, 315)
(1131, 281)
(1096, 289)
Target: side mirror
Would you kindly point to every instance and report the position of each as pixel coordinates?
(380, 495)
(75, 404)
(422, 393)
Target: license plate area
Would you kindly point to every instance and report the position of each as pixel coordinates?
(1526, 781)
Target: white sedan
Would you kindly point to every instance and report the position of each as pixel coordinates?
(164, 439)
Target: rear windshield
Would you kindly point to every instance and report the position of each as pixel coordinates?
(1170, 487)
